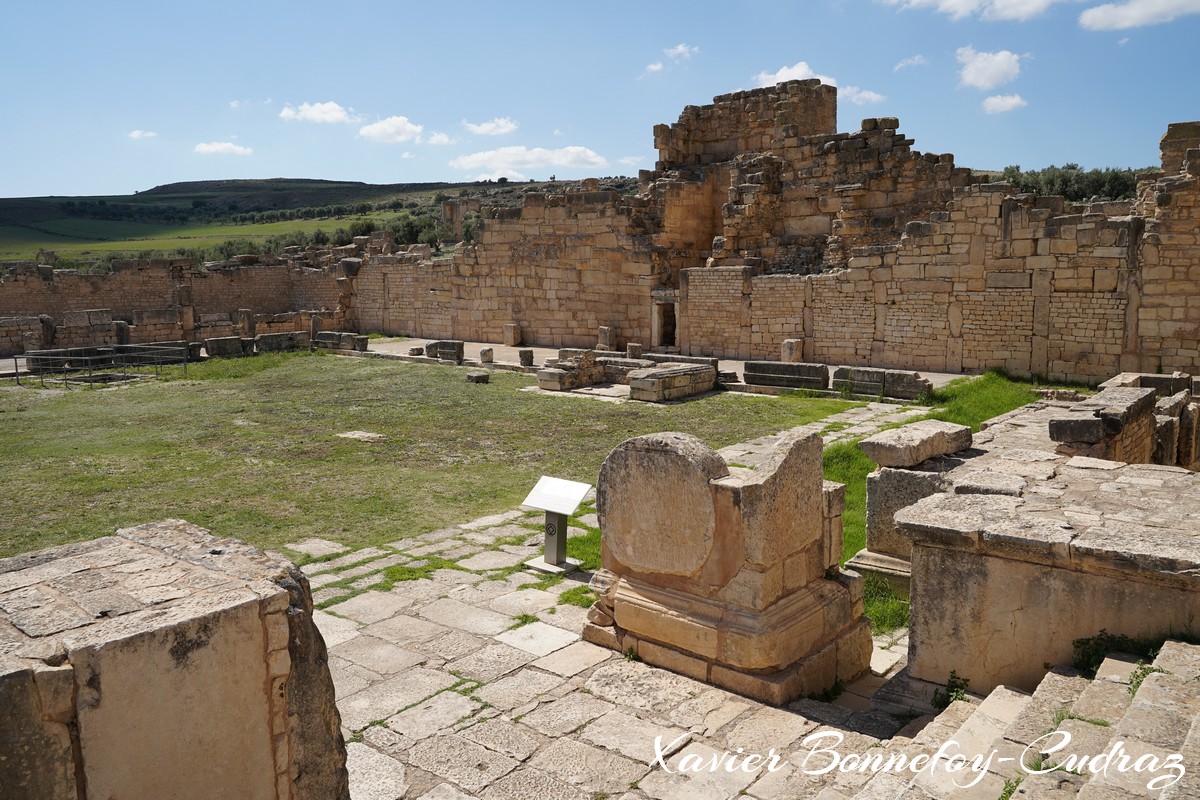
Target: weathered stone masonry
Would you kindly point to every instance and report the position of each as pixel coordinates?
(760, 223)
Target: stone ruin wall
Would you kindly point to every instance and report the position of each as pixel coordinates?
(759, 224)
(154, 300)
(559, 267)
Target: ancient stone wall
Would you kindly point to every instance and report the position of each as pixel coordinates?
(559, 267)
(155, 300)
(745, 122)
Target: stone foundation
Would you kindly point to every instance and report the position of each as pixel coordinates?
(729, 575)
(164, 662)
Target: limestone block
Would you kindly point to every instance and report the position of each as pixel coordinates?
(512, 334)
(655, 504)
(225, 347)
(792, 350)
(905, 385)
(486, 355)
(911, 444)
(1166, 440)
(788, 374)
(888, 491)
(203, 656)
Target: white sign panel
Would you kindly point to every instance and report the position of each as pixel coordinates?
(557, 495)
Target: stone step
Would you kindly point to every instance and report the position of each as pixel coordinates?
(967, 723)
(1157, 723)
(1056, 694)
(976, 738)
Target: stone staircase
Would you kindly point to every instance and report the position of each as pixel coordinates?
(1101, 716)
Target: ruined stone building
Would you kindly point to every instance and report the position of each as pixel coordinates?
(760, 223)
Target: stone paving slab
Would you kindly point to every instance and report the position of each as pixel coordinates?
(388, 697)
(567, 714)
(317, 548)
(538, 638)
(374, 776)
(518, 689)
(491, 662)
(574, 659)
(377, 655)
(371, 607)
(493, 559)
(461, 761)
(431, 716)
(472, 619)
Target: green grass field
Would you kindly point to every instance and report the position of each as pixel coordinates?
(80, 238)
(248, 448)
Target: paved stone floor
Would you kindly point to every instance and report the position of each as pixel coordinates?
(470, 679)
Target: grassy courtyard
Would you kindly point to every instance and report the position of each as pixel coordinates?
(249, 448)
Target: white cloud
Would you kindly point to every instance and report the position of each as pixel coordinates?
(1124, 40)
(222, 149)
(1136, 13)
(631, 161)
(657, 66)
(802, 71)
(1019, 10)
(407, 154)
(681, 52)
(391, 130)
(1001, 103)
(860, 97)
(234, 104)
(317, 112)
(439, 138)
(987, 70)
(512, 162)
(558, 132)
(139, 134)
(912, 61)
(493, 127)
(799, 71)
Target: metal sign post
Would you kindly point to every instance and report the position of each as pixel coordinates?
(559, 499)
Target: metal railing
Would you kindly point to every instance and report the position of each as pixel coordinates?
(89, 366)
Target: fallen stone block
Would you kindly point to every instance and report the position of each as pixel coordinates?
(786, 374)
(670, 382)
(912, 444)
(478, 377)
(225, 347)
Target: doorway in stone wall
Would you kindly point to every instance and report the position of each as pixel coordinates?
(664, 324)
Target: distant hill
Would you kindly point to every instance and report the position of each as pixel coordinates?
(194, 216)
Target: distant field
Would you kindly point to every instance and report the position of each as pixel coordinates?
(80, 238)
(154, 220)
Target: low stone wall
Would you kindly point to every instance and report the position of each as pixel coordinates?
(164, 662)
(340, 340)
(787, 374)
(1002, 585)
(728, 575)
(881, 382)
(18, 334)
(1117, 424)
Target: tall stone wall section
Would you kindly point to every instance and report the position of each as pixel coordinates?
(997, 279)
(558, 266)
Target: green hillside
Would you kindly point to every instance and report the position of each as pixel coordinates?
(211, 219)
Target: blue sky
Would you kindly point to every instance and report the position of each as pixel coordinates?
(117, 97)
